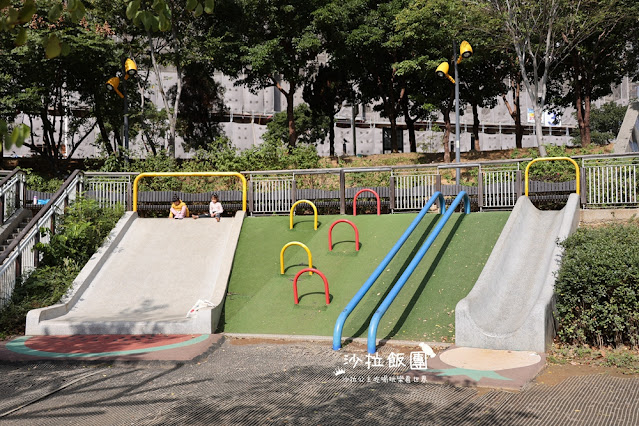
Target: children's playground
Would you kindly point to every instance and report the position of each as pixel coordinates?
(442, 274)
(260, 298)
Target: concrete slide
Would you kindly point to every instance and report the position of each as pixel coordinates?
(146, 278)
(512, 303)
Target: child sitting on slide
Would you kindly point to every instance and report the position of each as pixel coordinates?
(215, 209)
(179, 210)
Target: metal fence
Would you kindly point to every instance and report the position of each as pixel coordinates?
(606, 181)
(271, 194)
(12, 194)
(610, 183)
(413, 189)
(20, 257)
(109, 189)
(501, 185)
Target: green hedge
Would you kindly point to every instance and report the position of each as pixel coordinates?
(598, 286)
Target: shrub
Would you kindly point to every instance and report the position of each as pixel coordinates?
(44, 287)
(81, 231)
(598, 286)
(552, 171)
(78, 235)
(36, 182)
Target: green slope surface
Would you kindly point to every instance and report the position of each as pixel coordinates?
(260, 300)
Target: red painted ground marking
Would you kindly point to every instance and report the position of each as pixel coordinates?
(94, 343)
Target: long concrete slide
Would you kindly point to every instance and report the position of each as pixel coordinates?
(512, 304)
(146, 278)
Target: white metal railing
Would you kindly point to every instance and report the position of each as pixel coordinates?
(12, 195)
(611, 184)
(20, 259)
(109, 189)
(499, 186)
(413, 190)
(272, 194)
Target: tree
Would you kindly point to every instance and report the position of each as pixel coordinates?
(200, 105)
(325, 95)
(600, 60)
(62, 93)
(605, 123)
(170, 26)
(311, 128)
(15, 21)
(361, 35)
(426, 29)
(278, 48)
(536, 29)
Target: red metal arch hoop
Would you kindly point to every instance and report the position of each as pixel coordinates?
(330, 233)
(366, 190)
(297, 301)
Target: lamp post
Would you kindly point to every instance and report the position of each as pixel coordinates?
(130, 70)
(465, 51)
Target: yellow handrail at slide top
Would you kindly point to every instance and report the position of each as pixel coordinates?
(156, 174)
(553, 159)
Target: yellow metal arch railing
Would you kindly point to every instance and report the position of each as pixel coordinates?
(306, 202)
(156, 174)
(296, 243)
(553, 159)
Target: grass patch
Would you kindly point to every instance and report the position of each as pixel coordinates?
(623, 358)
(260, 300)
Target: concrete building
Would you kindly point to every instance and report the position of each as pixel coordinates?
(245, 120)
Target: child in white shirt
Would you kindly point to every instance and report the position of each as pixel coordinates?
(215, 209)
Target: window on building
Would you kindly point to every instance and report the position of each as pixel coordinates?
(386, 138)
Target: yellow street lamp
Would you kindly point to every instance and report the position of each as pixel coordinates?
(442, 71)
(112, 84)
(130, 68)
(465, 52)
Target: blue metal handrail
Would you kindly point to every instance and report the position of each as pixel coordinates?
(339, 324)
(372, 328)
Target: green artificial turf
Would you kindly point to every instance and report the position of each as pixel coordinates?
(261, 301)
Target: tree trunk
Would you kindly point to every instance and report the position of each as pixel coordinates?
(103, 132)
(446, 139)
(331, 136)
(476, 126)
(515, 112)
(165, 100)
(290, 116)
(519, 129)
(393, 123)
(580, 116)
(579, 101)
(586, 136)
(410, 124)
(539, 135)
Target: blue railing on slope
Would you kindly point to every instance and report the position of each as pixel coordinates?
(339, 324)
(372, 328)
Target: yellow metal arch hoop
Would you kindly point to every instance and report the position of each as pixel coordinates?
(553, 159)
(293, 209)
(295, 243)
(152, 174)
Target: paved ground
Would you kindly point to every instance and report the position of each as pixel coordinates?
(109, 347)
(260, 382)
